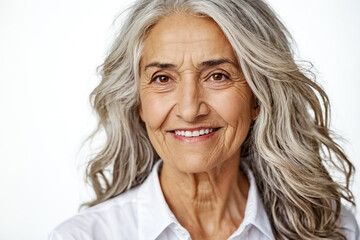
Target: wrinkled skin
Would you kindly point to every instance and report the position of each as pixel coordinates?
(190, 79)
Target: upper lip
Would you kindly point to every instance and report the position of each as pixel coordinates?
(193, 129)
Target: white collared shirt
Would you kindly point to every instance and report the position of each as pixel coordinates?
(142, 213)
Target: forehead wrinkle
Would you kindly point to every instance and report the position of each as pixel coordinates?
(161, 46)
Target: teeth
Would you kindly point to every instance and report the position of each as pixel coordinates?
(194, 133)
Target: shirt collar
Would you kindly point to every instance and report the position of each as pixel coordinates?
(153, 212)
(155, 215)
(255, 213)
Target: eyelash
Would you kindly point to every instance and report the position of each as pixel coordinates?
(158, 77)
(154, 79)
(222, 76)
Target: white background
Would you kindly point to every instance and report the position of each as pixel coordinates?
(49, 51)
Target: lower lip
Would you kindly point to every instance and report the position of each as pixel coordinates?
(193, 139)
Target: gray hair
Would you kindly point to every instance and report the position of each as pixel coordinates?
(289, 147)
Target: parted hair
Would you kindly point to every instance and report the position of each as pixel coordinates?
(289, 147)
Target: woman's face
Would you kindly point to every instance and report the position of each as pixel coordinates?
(195, 101)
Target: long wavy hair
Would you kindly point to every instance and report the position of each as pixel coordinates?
(290, 147)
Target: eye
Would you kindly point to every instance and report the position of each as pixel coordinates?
(218, 77)
(161, 79)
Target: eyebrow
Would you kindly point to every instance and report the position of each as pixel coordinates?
(216, 62)
(160, 65)
(209, 63)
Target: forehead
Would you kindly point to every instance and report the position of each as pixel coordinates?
(181, 34)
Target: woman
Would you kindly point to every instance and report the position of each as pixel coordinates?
(212, 89)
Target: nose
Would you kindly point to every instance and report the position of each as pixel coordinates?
(190, 99)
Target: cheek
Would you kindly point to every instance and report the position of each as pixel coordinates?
(233, 106)
(154, 109)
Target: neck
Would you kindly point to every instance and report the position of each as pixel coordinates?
(207, 204)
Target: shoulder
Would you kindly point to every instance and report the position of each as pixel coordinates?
(115, 218)
(348, 222)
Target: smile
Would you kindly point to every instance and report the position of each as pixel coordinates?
(195, 133)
